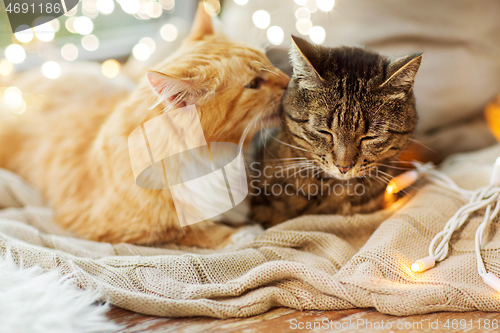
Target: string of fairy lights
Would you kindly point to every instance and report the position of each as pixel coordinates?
(79, 21)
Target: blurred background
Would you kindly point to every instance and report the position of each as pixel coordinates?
(460, 39)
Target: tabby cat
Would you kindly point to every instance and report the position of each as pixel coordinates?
(75, 149)
(347, 113)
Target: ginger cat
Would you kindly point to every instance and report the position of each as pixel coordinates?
(75, 148)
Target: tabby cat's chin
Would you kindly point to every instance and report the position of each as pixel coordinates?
(333, 174)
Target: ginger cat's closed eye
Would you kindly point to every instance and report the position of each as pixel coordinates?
(74, 148)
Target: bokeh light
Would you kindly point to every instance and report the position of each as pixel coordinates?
(317, 34)
(141, 52)
(261, 19)
(12, 98)
(6, 67)
(312, 6)
(154, 9)
(44, 32)
(302, 14)
(55, 24)
(130, 6)
(212, 6)
(110, 68)
(325, 5)
(149, 42)
(89, 8)
(69, 52)
(168, 32)
(275, 35)
(300, 2)
(51, 70)
(90, 43)
(24, 36)
(69, 24)
(241, 2)
(167, 4)
(303, 27)
(83, 25)
(106, 7)
(15, 53)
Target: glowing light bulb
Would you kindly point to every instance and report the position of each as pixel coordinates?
(275, 35)
(44, 32)
(106, 7)
(491, 280)
(325, 5)
(6, 67)
(168, 32)
(141, 52)
(390, 189)
(110, 68)
(317, 34)
(261, 19)
(83, 25)
(423, 264)
(241, 2)
(90, 43)
(69, 52)
(15, 53)
(51, 70)
(24, 36)
(402, 181)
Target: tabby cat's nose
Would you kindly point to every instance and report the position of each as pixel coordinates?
(344, 170)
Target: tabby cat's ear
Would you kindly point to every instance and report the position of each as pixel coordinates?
(306, 63)
(172, 90)
(401, 73)
(202, 24)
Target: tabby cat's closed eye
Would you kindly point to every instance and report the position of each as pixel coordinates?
(327, 134)
(369, 138)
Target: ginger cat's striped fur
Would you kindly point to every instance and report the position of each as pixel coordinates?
(75, 148)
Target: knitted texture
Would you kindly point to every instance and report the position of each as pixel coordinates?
(326, 262)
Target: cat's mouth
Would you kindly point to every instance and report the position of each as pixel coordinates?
(334, 173)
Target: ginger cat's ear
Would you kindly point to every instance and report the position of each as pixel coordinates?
(174, 91)
(202, 24)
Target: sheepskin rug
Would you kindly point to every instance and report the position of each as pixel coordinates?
(34, 301)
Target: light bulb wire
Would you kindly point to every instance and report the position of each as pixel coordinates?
(478, 199)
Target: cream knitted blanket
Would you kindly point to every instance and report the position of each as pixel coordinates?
(312, 262)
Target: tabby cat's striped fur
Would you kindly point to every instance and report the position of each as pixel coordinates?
(347, 112)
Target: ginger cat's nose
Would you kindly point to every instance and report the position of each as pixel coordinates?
(282, 79)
